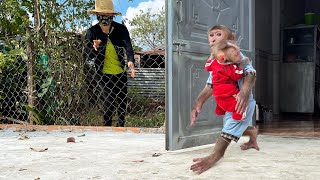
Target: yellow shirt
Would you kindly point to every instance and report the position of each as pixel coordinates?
(111, 63)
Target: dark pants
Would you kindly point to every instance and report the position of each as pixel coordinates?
(114, 95)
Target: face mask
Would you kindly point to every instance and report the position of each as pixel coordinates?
(104, 20)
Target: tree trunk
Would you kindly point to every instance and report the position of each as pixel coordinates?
(31, 60)
(36, 14)
(30, 81)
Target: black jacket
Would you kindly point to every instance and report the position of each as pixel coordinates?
(119, 37)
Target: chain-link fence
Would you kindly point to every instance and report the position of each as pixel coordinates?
(51, 81)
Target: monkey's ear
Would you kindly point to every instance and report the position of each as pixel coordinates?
(220, 57)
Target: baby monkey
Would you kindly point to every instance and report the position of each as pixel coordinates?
(227, 52)
(226, 69)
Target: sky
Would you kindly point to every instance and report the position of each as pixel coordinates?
(129, 8)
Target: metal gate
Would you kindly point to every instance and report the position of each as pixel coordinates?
(187, 50)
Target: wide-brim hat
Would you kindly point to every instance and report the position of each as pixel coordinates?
(103, 6)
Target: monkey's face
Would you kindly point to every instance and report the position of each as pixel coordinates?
(215, 36)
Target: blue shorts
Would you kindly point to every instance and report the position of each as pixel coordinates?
(233, 129)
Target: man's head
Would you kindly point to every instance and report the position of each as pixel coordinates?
(227, 50)
(218, 33)
(104, 11)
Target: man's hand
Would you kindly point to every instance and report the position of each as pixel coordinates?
(131, 66)
(96, 44)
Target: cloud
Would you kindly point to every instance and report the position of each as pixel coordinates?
(153, 5)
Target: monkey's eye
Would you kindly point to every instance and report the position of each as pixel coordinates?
(219, 34)
(211, 34)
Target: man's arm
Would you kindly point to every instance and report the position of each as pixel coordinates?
(243, 95)
(198, 103)
(129, 50)
(127, 44)
(89, 53)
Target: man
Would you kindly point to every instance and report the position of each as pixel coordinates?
(107, 45)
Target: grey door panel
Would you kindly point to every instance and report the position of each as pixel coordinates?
(188, 80)
(186, 53)
(196, 17)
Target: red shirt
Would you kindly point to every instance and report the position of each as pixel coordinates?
(224, 78)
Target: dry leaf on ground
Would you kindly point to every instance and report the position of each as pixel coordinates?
(39, 150)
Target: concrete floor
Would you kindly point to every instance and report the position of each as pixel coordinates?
(110, 155)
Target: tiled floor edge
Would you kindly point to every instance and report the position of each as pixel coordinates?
(19, 127)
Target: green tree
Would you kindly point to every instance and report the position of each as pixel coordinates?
(148, 29)
(44, 16)
(41, 26)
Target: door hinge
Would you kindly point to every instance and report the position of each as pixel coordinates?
(179, 46)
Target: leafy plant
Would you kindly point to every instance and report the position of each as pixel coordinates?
(148, 29)
(56, 85)
(152, 120)
(8, 58)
